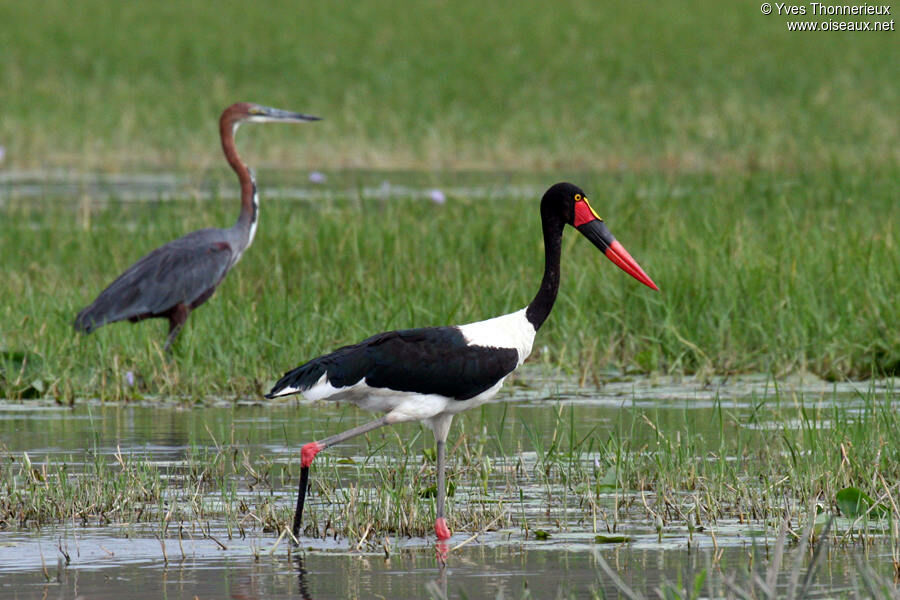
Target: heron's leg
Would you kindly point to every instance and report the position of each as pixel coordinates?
(177, 318)
(308, 453)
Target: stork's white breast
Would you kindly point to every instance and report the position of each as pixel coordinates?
(506, 331)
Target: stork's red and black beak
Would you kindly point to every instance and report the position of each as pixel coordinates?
(593, 228)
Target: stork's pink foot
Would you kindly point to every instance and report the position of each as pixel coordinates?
(441, 529)
(308, 453)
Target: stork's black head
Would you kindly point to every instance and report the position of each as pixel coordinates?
(567, 203)
(562, 200)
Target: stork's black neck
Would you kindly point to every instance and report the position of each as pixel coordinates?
(539, 309)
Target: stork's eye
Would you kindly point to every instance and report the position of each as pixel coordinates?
(578, 198)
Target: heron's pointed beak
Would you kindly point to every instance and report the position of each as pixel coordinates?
(594, 229)
(261, 114)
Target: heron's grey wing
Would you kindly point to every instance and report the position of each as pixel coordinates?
(186, 270)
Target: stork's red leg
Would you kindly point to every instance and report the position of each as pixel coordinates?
(440, 524)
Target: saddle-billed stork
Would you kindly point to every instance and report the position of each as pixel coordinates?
(432, 373)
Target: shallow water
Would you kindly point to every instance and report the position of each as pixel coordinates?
(475, 572)
(122, 558)
(286, 185)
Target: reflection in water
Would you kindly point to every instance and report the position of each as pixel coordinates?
(442, 552)
(302, 577)
(436, 587)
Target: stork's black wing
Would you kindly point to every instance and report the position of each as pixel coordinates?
(186, 270)
(432, 360)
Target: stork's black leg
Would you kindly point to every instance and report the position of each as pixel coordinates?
(308, 453)
(301, 498)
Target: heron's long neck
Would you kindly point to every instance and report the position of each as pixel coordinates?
(246, 222)
(539, 309)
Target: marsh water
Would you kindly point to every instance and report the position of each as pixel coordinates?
(67, 560)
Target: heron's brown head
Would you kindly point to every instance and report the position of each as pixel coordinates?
(242, 112)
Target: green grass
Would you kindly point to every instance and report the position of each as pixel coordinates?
(758, 273)
(693, 86)
(752, 172)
